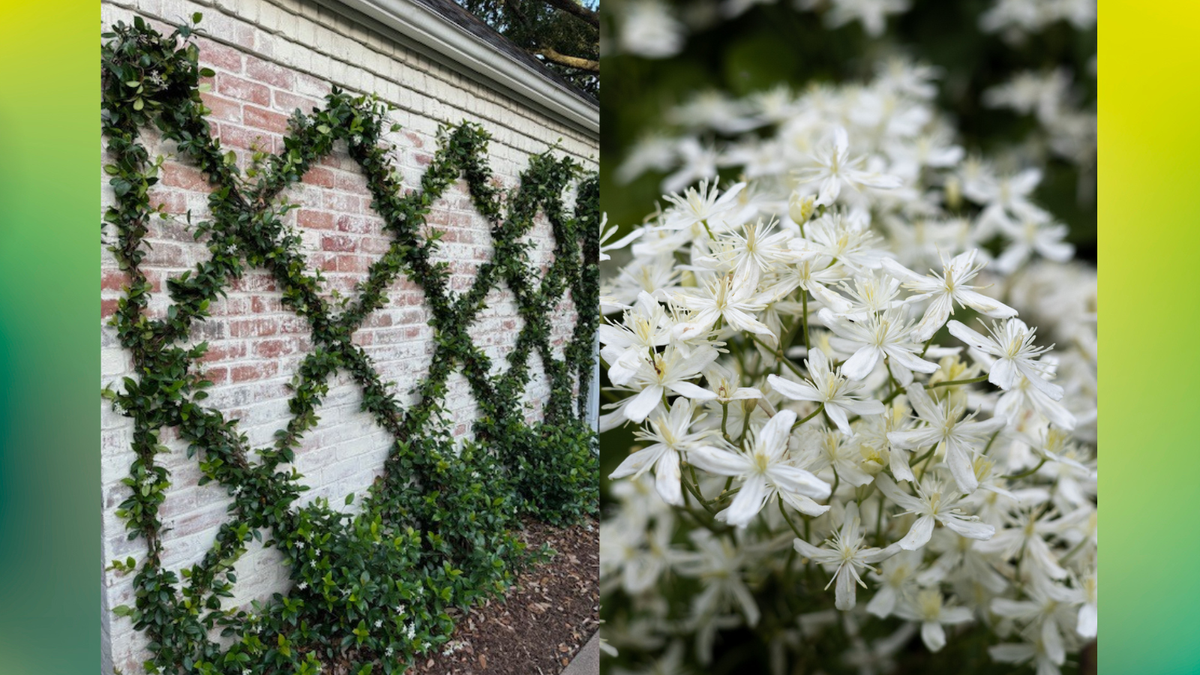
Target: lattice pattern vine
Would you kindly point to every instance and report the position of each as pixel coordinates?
(371, 589)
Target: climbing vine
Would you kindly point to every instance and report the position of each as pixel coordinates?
(371, 590)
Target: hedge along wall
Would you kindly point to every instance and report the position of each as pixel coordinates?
(270, 59)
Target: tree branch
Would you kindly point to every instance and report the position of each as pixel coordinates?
(569, 61)
(575, 9)
(516, 10)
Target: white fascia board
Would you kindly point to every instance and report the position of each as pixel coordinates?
(442, 36)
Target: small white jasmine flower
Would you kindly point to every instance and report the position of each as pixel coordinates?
(725, 383)
(669, 370)
(931, 504)
(874, 338)
(1012, 344)
(830, 388)
(841, 236)
(847, 555)
(618, 244)
(650, 30)
(945, 290)
(948, 429)
(893, 577)
(644, 327)
(748, 254)
(708, 207)
(721, 298)
(1029, 236)
(719, 562)
(930, 610)
(834, 168)
(670, 442)
(764, 472)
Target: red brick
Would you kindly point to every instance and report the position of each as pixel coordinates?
(336, 201)
(352, 263)
(223, 352)
(319, 175)
(233, 136)
(294, 326)
(414, 140)
(254, 282)
(288, 102)
(259, 371)
(113, 280)
(243, 90)
(178, 175)
(108, 307)
(323, 262)
(163, 254)
(224, 109)
(270, 73)
(317, 220)
(253, 327)
(217, 375)
(260, 304)
(308, 85)
(233, 306)
(172, 201)
(350, 181)
(354, 225)
(220, 56)
(154, 277)
(336, 242)
(259, 118)
(269, 349)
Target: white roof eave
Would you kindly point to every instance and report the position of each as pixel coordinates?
(486, 63)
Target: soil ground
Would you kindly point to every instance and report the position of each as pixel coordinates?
(544, 619)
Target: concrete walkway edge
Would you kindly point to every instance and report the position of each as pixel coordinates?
(587, 661)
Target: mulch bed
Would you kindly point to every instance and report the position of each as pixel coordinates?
(544, 619)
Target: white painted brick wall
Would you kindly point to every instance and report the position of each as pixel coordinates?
(272, 56)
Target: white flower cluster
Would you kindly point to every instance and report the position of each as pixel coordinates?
(655, 29)
(1066, 125)
(836, 395)
(1067, 122)
(1048, 96)
(1017, 19)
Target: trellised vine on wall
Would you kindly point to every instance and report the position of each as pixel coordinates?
(370, 590)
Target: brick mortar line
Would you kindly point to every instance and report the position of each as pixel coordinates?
(131, 7)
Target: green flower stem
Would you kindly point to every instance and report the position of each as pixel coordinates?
(1024, 474)
(783, 513)
(779, 355)
(804, 317)
(818, 411)
(955, 383)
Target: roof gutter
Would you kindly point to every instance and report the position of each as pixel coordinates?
(479, 60)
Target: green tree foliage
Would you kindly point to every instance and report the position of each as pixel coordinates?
(563, 34)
